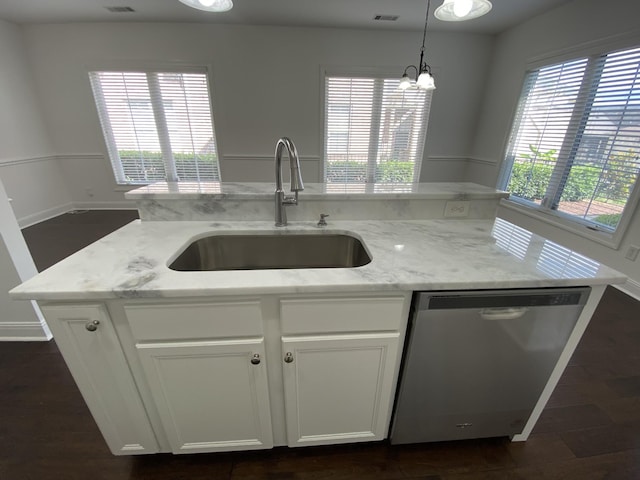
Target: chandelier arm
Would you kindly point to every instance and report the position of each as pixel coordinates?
(424, 38)
(415, 68)
(424, 82)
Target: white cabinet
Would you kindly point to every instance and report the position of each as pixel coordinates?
(340, 363)
(237, 373)
(211, 396)
(205, 366)
(90, 347)
(338, 388)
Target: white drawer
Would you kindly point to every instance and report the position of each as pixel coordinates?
(179, 321)
(333, 315)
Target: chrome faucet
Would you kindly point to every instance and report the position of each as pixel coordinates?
(296, 184)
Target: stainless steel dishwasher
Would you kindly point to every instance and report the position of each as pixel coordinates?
(476, 362)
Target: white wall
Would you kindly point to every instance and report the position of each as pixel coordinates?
(19, 320)
(22, 130)
(23, 138)
(575, 23)
(266, 83)
(36, 187)
(28, 168)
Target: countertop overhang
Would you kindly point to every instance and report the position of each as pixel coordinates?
(406, 255)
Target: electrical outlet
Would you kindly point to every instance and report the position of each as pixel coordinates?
(632, 253)
(456, 209)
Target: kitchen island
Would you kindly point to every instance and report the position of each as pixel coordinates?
(406, 256)
(200, 361)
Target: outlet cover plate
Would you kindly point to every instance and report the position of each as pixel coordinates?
(456, 209)
(632, 253)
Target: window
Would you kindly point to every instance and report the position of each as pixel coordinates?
(574, 150)
(374, 132)
(157, 125)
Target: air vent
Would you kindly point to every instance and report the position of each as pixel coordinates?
(386, 18)
(120, 9)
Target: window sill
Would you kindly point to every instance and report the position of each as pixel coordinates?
(611, 240)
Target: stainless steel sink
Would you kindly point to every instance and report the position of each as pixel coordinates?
(272, 251)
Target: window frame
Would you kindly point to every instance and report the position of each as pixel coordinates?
(569, 223)
(154, 67)
(387, 72)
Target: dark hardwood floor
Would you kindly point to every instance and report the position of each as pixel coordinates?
(59, 237)
(590, 429)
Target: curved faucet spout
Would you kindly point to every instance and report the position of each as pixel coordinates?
(296, 184)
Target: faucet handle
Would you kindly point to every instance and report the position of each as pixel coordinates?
(322, 222)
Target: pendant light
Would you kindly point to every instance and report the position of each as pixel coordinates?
(209, 5)
(461, 10)
(424, 79)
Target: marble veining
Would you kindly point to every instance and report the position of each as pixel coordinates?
(255, 201)
(315, 191)
(406, 255)
(208, 209)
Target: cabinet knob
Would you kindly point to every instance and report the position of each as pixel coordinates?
(255, 360)
(288, 357)
(92, 326)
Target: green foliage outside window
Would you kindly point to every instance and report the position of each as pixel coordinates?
(393, 171)
(612, 184)
(620, 176)
(608, 219)
(390, 171)
(151, 165)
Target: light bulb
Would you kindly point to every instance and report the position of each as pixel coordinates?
(426, 82)
(405, 82)
(209, 5)
(461, 8)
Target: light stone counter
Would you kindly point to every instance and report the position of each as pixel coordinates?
(406, 255)
(315, 191)
(187, 201)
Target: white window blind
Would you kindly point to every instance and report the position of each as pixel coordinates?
(575, 145)
(510, 237)
(157, 125)
(561, 262)
(374, 132)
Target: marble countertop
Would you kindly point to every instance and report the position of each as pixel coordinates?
(315, 191)
(406, 255)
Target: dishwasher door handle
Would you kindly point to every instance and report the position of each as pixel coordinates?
(508, 313)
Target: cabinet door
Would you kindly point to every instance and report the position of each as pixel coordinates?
(98, 365)
(338, 388)
(212, 396)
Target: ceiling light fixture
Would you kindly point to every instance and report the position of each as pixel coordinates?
(209, 5)
(461, 10)
(424, 80)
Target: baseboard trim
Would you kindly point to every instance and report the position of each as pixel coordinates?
(631, 288)
(24, 332)
(38, 217)
(44, 215)
(111, 205)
